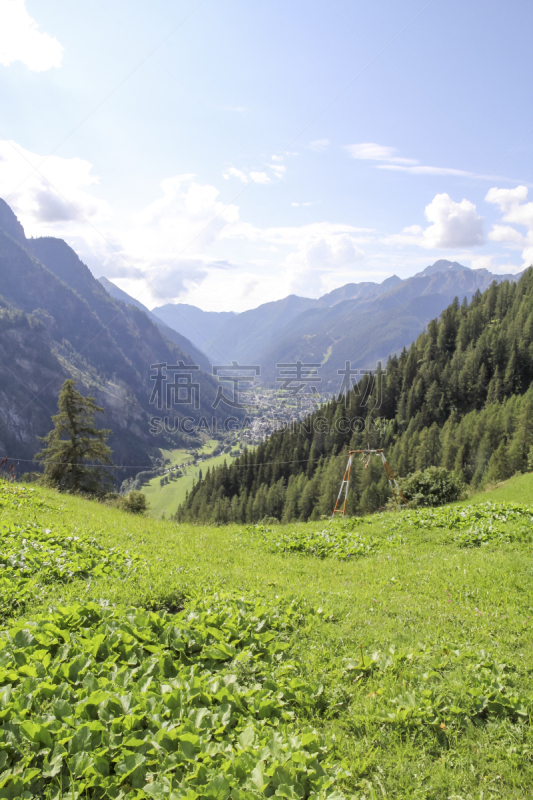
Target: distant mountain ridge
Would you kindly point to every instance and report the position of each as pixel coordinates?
(360, 322)
(201, 327)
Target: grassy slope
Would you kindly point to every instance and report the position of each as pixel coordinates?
(168, 498)
(425, 591)
(516, 490)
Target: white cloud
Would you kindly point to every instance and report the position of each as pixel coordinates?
(194, 248)
(46, 199)
(182, 238)
(370, 151)
(294, 235)
(318, 257)
(515, 210)
(444, 171)
(487, 262)
(410, 235)
(453, 225)
(169, 241)
(177, 228)
(319, 145)
(182, 213)
(21, 40)
(246, 177)
(271, 171)
(504, 233)
(314, 255)
(512, 204)
(482, 262)
(425, 170)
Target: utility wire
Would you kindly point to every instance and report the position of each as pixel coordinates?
(151, 467)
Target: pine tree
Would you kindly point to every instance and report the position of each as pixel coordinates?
(73, 441)
(499, 467)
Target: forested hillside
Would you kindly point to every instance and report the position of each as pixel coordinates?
(460, 397)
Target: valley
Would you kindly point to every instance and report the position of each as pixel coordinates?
(165, 499)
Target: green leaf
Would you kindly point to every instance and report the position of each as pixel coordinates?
(130, 764)
(159, 789)
(81, 741)
(257, 776)
(37, 733)
(247, 737)
(14, 790)
(61, 709)
(81, 763)
(217, 789)
(23, 639)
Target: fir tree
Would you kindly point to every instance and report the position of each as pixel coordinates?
(74, 441)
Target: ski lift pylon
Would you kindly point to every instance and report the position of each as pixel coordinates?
(345, 484)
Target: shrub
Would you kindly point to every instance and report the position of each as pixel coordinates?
(30, 477)
(135, 502)
(433, 486)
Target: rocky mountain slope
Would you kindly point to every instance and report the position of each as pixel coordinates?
(58, 321)
(183, 343)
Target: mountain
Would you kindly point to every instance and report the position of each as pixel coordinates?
(225, 335)
(442, 265)
(183, 343)
(362, 323)
(58, 321)
(357, 291)
(461, 397)
(201, 327)
(245, 335)
(374, 325)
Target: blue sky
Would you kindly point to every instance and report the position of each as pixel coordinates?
(229, 153)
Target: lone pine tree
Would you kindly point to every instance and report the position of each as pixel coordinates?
(73, 442)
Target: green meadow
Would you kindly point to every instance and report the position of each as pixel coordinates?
(386, 656)
(167, 498)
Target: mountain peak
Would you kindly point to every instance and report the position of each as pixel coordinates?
(442, 265)
(10, 224)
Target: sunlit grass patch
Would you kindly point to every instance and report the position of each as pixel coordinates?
(419, 598)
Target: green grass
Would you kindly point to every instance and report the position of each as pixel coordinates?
(518, 489)
(167, 498)
(423, 645)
